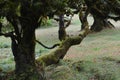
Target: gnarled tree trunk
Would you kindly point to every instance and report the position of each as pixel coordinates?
(60, 52)
(83, 16)
(100, 23)
(24, 55)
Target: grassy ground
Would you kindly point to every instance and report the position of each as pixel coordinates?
(96, 58)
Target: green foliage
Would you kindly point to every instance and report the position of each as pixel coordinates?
(46, 23)
(2, 45)
(6, 26)
(0, 69)
(7, 64)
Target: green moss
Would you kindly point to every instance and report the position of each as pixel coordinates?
(0, 69)
(47, 59)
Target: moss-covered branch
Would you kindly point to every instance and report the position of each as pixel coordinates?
(60, 52)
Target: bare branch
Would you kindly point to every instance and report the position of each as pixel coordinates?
(55, 45)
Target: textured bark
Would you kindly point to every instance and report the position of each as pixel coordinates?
(100, 23)
(83, 16)
(23, 51)
(61, 32)
(60, 52)
(23, 46)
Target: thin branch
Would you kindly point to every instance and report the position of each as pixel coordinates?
(114, 18)
(55, 45)
(9, 34)
(69, 22)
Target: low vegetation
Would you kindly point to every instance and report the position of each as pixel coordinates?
(95, 64)
(84, 70)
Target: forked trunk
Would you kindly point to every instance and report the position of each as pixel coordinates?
(83, 16)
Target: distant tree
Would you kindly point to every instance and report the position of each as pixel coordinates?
(101, 10)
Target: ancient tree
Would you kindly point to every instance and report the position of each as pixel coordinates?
(101, 11)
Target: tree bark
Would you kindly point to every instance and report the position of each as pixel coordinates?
(83, 13)
(24, 55)
(61, 32)
(98, 24)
